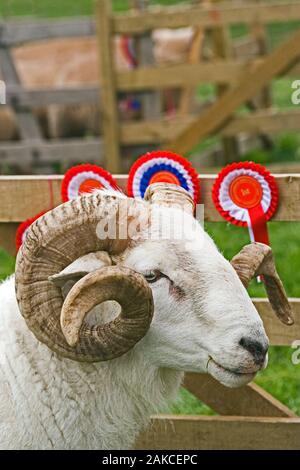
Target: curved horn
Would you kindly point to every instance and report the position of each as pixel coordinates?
(256, 259)
(54, 241)
(170, 195)
(121, 284)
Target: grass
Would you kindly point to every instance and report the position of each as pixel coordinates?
(57, 8)
(281, 378)
(7, 264)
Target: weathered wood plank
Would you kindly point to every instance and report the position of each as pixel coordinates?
(245, 47)
(194, 57)
(260, 34)
(266, 121)
(109, 107)
(180, 75)
(14, 32)
(222, 48)
(208, 16)
(165, 129)
(38, 194)
(249, 85)
(153, 131)
(278, 333)
(46, 96)
(216, 432)
(250, 400)
(151, 101)
(217, 71)
(24, 189)
(54, 151)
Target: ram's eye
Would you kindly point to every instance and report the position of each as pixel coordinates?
(153, 276)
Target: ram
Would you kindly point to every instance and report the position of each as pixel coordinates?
(112, 300)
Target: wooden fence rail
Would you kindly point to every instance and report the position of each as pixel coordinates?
(14, 32)
(208, 16)
(31, 195)
(221, 432)
(17, 95)
(133, 133)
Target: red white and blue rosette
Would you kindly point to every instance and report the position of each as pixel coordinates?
(86, 178)
(23, 229)
(162, 167)
(246, 194)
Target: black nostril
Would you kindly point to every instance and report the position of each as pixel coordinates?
(256, 348)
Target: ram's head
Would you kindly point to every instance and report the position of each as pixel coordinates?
(103, 274)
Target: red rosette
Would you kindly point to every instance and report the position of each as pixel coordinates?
(246, 194)
(162, 167)
(85, 178)
(23, 227)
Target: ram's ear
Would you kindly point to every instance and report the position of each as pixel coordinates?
(79, 268)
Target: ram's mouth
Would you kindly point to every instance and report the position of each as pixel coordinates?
(228, 377)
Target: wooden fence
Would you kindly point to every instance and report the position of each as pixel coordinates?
(234, 69)
(249, 416)
(241, 79)
(33, 152)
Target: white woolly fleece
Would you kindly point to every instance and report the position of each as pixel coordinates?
(49, 402)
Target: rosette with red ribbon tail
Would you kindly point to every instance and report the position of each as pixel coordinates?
(162, 167)
(86, 178)
(23, 228)
(246, 194)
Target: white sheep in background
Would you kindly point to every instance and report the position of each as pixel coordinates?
(184, 308)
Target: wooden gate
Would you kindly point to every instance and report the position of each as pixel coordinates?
(32, 153)
(241, 80)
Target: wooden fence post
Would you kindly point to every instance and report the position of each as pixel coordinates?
(223, 49)
(109, 105)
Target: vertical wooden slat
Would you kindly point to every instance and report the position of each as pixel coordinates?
(109, 106)
(259, 33)
(151, 101)
(222, 47)
(194, 54)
